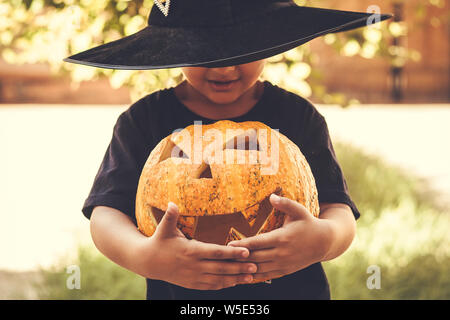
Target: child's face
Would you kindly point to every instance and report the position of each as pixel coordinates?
(224, 85)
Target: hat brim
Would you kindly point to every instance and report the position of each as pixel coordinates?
(156, 47)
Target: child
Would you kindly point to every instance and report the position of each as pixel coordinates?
(221, 47)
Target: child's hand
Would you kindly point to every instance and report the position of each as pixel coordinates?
(191, 263)
(300, 242)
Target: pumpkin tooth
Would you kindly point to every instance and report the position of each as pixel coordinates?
(250, 214)
(187, 225)
(233, 234)
(274, 220)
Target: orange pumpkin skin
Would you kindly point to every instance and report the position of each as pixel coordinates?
(221, 176)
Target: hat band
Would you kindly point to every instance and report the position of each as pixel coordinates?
(213, 13)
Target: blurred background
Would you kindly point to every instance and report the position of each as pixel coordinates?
(384, 91)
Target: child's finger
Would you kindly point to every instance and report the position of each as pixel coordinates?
(210, 251)
(261, 255)
(261, 241)
(292, 208)
(227, 267)
(168, 224)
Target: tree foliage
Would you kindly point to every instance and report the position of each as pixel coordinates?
(46, 31)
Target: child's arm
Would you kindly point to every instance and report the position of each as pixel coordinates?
(168, 255)
(303, 239)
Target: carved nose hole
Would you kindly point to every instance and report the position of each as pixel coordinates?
(203, 172)
(206, 173)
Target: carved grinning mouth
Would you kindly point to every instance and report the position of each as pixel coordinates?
(218, 228)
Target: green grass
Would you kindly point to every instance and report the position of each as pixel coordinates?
(100, 278)
(402, 230)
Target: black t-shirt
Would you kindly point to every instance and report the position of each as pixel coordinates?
(139, 129)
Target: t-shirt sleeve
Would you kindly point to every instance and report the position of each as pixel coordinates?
(117, 179)
(319, 152)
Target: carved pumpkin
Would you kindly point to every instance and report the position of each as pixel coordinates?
(221, 176)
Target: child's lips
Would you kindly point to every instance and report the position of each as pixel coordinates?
(222, 85)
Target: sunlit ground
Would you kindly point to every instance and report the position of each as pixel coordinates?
(50, 155)
(415, 137)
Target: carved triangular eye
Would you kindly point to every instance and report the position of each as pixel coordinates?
(177, 152)
(248, 141)
(171, 150)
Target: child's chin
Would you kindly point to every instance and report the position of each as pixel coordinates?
(222, 97)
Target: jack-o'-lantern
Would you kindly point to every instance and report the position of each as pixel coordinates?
(220, 176)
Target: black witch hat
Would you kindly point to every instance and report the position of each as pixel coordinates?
(220, 33)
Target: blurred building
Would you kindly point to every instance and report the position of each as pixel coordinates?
(368, 80)
(374, 80)
(35, 84)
